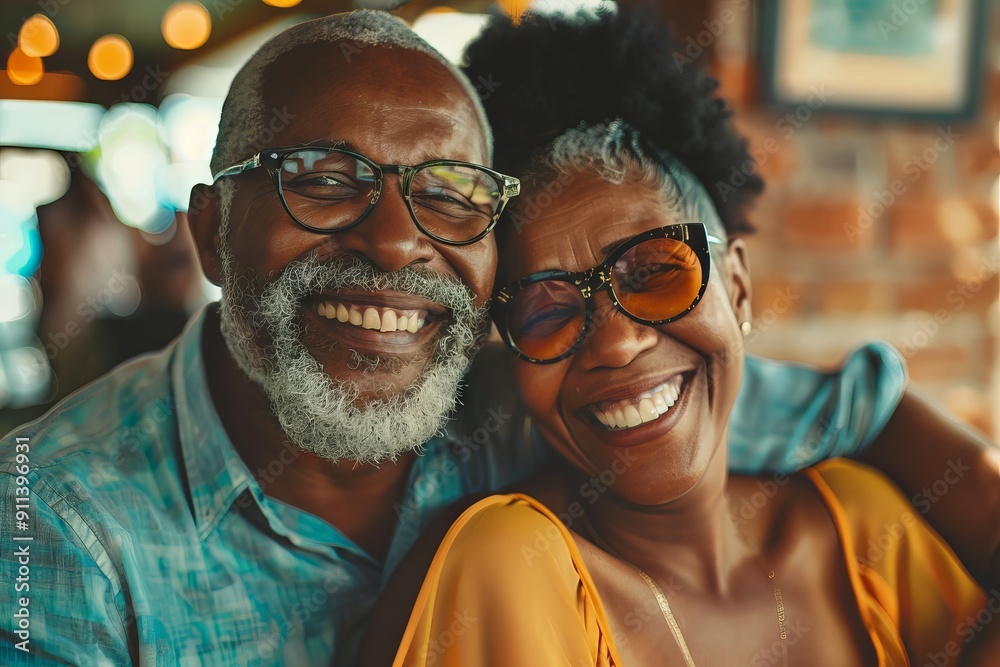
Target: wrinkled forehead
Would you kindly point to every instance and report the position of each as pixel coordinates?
(321, 80)
(679, 192)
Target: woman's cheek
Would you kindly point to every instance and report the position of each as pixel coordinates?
(539, 385)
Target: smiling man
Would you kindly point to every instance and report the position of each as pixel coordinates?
(241, 497)
(356, 264)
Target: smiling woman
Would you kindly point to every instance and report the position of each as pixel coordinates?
(660, 385)
(625, 302)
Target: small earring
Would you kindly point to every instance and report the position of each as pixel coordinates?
(746, 327)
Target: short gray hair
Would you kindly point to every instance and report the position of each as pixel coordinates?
(244, 115)
(617, 153)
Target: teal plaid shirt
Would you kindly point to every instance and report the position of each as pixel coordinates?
(152, 543)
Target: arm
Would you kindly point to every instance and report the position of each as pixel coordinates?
(951, 475)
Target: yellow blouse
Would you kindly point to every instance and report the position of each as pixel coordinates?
(508, 586)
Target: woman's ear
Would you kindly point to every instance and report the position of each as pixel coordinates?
(738, 280)
(204, 218)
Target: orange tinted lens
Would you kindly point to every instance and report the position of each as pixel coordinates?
(545, 319)
(657, 279)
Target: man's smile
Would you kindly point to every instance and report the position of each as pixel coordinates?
(385, 320)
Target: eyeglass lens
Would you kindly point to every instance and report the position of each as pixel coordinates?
(328, 189)
(655, 280)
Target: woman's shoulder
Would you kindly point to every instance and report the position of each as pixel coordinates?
(860, 494)
(511, 530)
(498, 551)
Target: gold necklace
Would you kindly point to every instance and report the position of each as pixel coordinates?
(668, 616)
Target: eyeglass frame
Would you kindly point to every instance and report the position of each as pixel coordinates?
(272, 158)
(598, 279)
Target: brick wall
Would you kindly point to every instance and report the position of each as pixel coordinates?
(878, 230)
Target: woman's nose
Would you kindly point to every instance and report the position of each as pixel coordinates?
(613, 339)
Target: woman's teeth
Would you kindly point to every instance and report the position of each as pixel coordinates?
(373, 317)
(644, 408)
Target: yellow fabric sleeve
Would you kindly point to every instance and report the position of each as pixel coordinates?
(917, 601)
(507, 588)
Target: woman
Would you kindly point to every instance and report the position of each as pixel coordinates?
(626, 302)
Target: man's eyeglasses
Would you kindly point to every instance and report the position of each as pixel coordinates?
(654, 278)
(327, 189)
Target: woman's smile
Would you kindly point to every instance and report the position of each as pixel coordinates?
(638, 408)
(667, 400)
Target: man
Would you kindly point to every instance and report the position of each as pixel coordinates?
(240, 498)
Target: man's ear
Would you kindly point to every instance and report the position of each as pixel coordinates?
(204, 218)
(738, 280)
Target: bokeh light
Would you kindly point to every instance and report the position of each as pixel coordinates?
(17, 298)
(282, 3)
(24, 70)
(110, 58)
(20, 244)
(186, 25)
(38, 36)
(42, 176)
(130, 167)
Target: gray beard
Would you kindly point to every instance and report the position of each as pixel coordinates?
(317, 412)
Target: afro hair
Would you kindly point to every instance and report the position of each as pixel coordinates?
(553, 72)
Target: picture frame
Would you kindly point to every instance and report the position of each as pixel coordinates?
(919, 59)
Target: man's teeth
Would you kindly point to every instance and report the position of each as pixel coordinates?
(372, 317)
(641, 409)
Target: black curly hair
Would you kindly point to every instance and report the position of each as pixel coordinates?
(551, 73)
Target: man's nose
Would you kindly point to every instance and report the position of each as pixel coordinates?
(388, 236)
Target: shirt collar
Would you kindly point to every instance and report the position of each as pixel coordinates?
(216, 473)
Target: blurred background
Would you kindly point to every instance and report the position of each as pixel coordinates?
(875, 123)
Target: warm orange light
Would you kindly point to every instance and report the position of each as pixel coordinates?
(110, 57)
(38, 36)
(514, 8)
(282, 3)
(440, 9)
(24, 70)
(186, 25)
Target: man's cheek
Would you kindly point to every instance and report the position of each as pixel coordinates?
(476, 267)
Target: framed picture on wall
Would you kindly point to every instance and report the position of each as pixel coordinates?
(916, 58)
